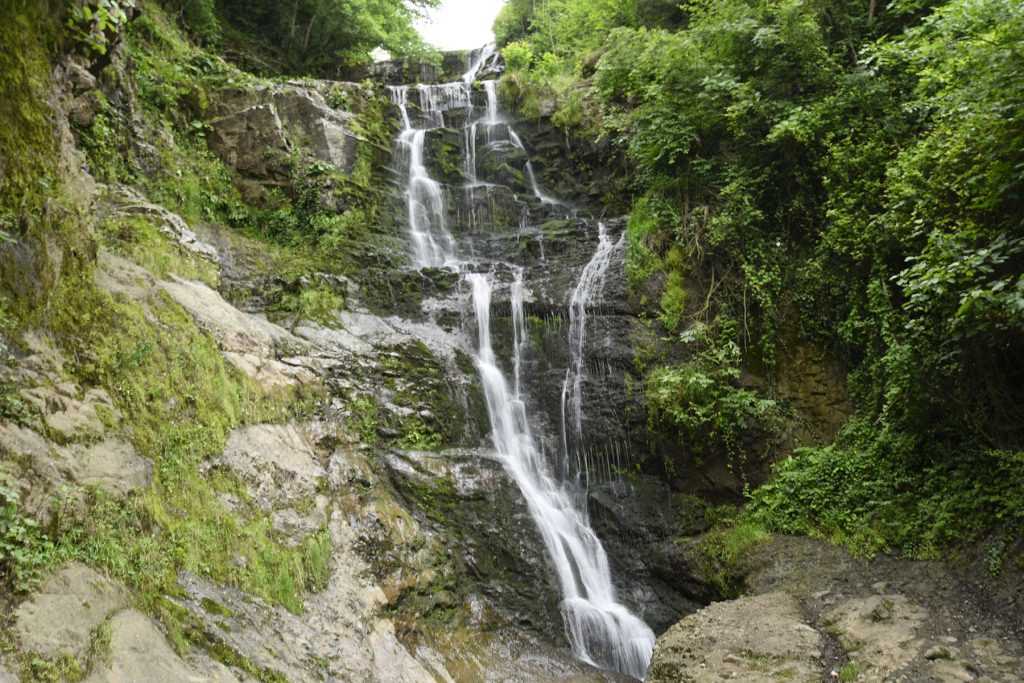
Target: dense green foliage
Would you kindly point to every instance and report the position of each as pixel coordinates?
(702, 401)
(844, 174)
(308, 36)
(24, 549)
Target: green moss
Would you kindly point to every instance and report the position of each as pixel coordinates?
(420, 382)
(63, 669)
(850, 672)
(28, 146)
(180, 400)
(723, 551)
(185, 631)
(140, 241)
(673, 301)
(214, 607)
(318, 303)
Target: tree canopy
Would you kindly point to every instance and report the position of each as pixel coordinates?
(310, 36)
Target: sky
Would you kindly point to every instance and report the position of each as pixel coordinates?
(460, 24)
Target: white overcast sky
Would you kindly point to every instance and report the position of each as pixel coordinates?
(460, 24)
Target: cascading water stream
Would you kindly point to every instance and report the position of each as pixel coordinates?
(590, 284)
(433, 244)
(600, 630)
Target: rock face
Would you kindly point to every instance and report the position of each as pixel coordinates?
(256, 131)
(336, 639)
(68, 437)
(881, 629)
(762, 638)
(639, 520)
(816, 613)
(62, 616)
(139, 652)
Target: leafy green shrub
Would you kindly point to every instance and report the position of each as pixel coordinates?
(518, 55)
(24, 549)
(95, 25)
(417, 436)
(872, 493)
(200, 16)
(648, 236)
(837, 174)
(673, 301)
(702, 402)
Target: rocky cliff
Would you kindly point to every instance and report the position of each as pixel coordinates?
(244, 438)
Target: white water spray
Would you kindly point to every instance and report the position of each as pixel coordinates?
(432, 243)
(590, 284)
(601, 631)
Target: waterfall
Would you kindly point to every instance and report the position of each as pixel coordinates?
(590, 284)
(478, 59)
(518, 329)
(491, 88)
(601, 631)
(432, 243)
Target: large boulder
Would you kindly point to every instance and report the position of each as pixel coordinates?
(257, 131)
(760, 638)
(139, 652)
(252, 141)
(61, 617)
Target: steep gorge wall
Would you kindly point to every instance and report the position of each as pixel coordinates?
(231, 451)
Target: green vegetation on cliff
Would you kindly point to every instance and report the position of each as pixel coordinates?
(847, 175)
(174, 396)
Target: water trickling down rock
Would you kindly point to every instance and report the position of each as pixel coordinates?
(601, 630)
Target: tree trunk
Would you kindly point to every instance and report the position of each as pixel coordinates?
(295, 19)
(309, 32)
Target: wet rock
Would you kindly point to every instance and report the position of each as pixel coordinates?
(466, 496)
(759, 638)
(139, 652)
(61, 616)
(638, 521)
